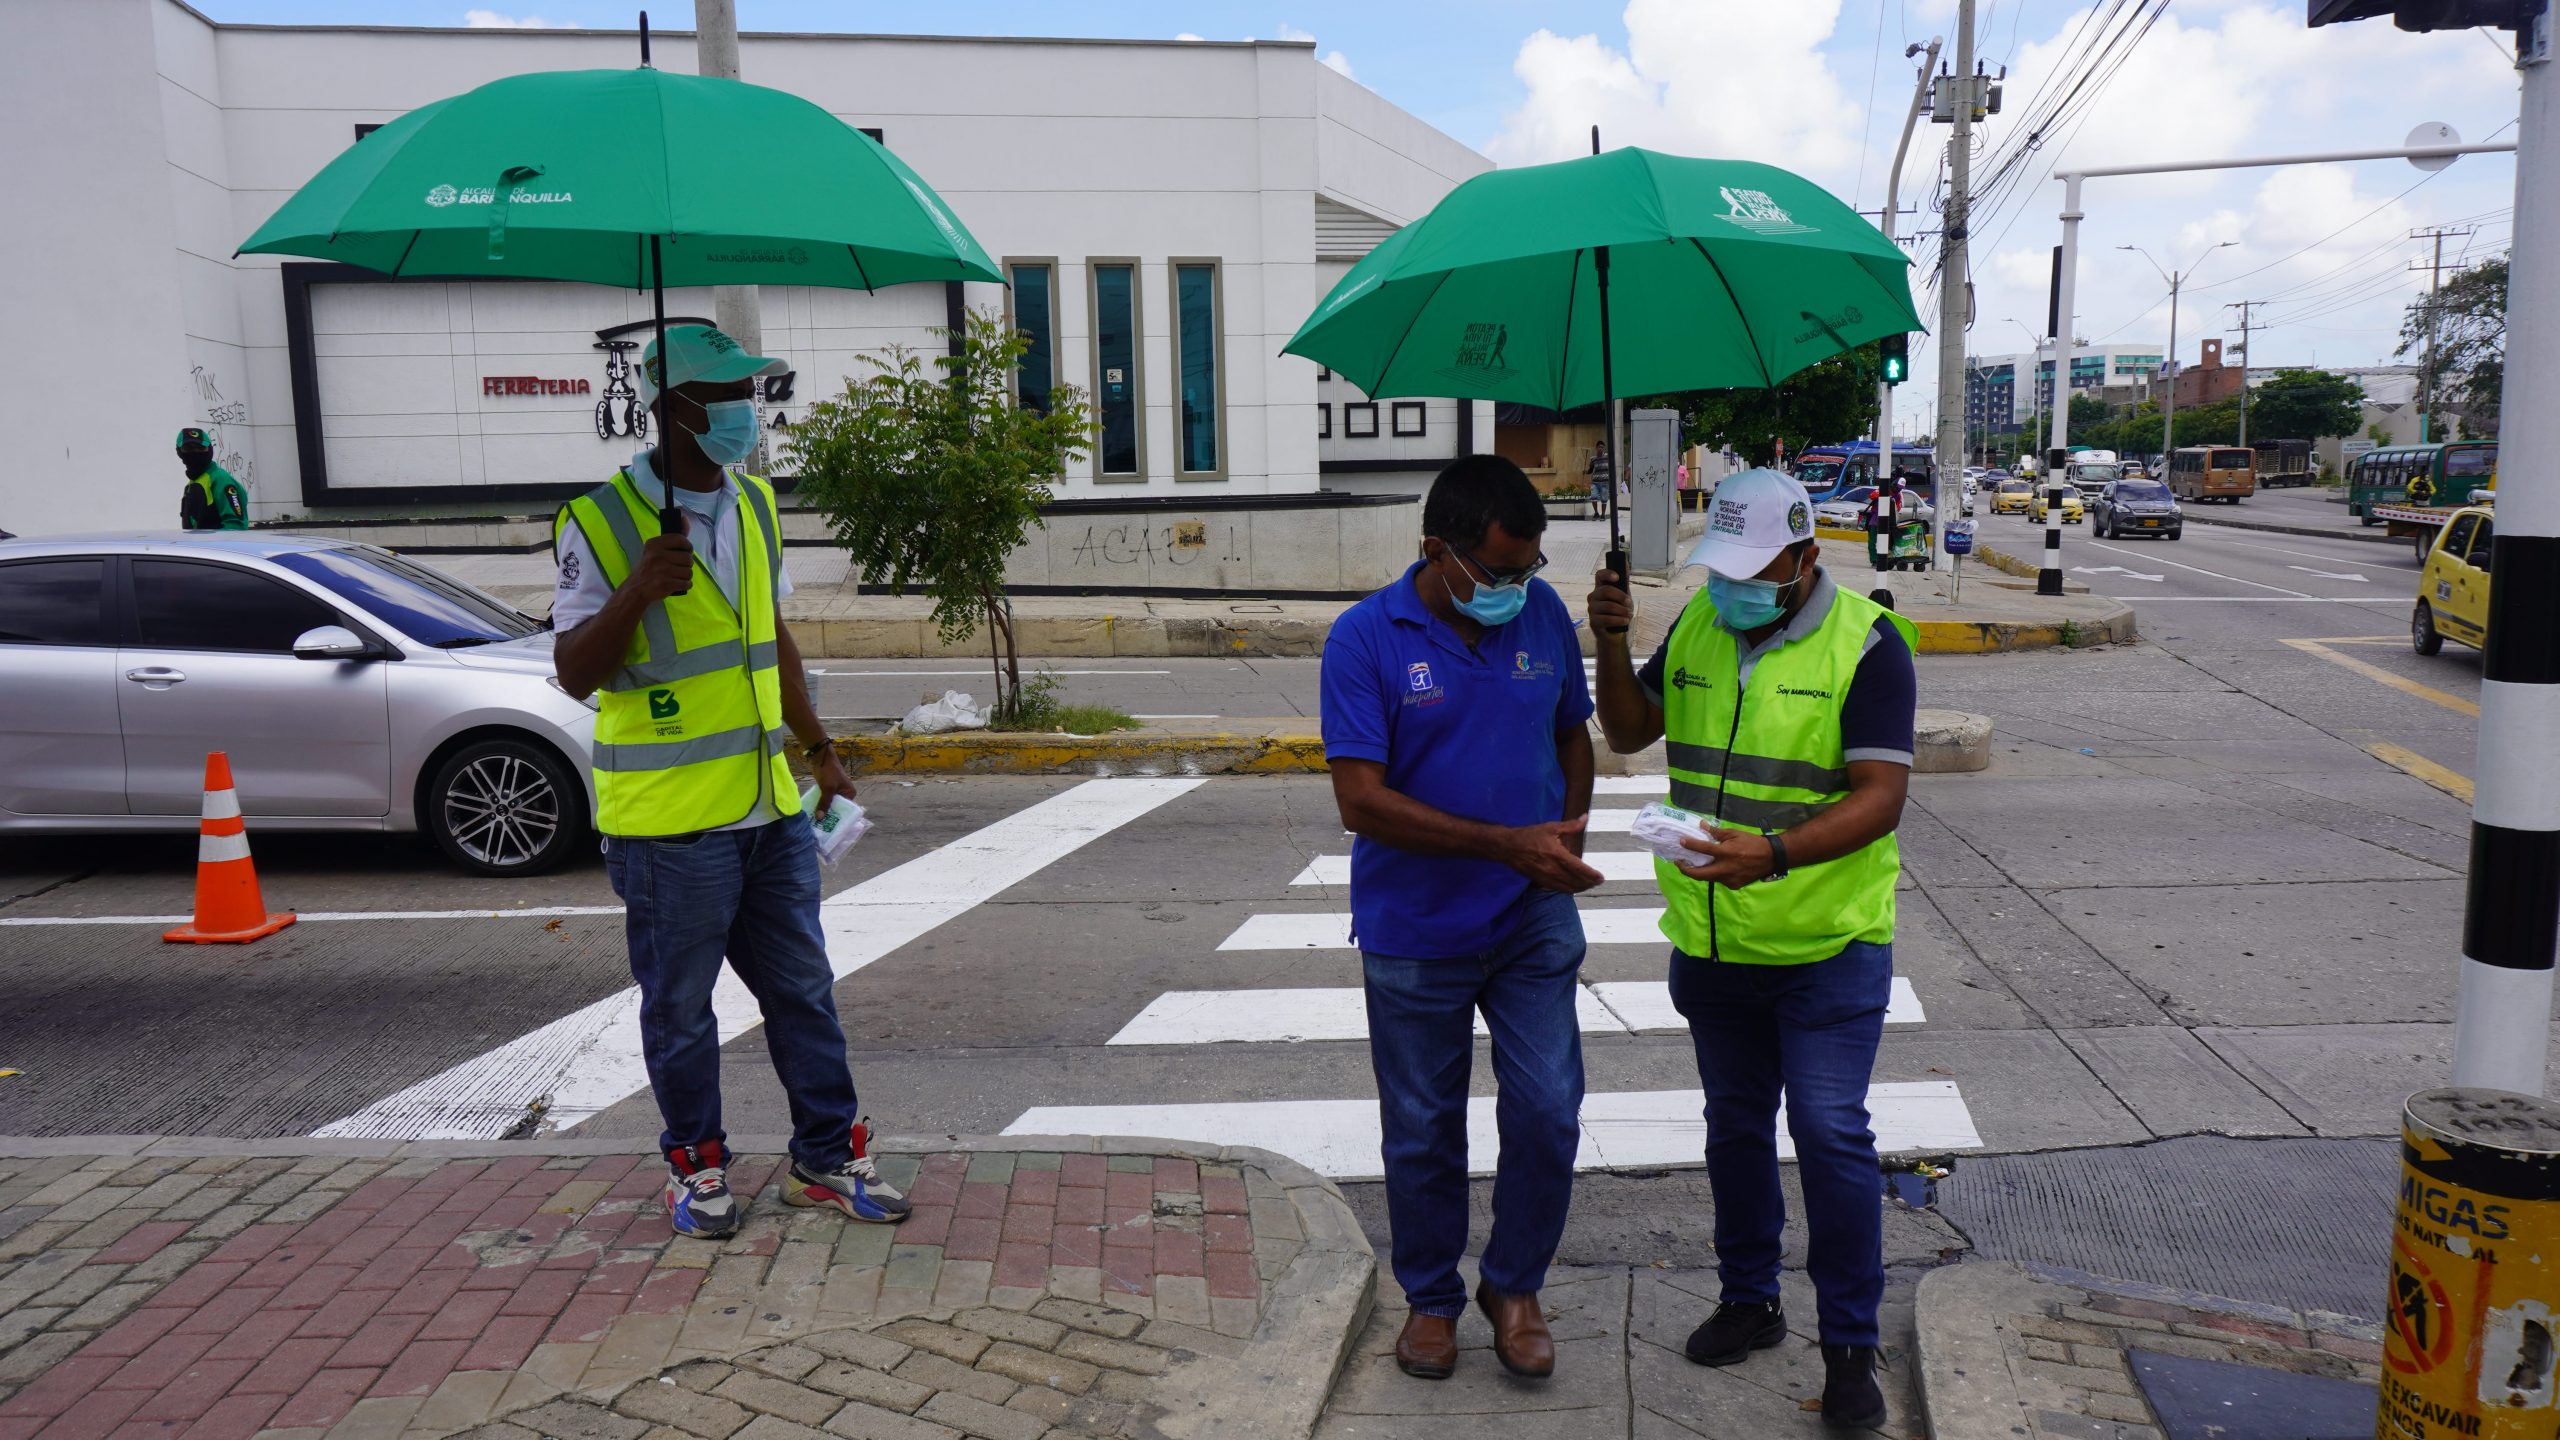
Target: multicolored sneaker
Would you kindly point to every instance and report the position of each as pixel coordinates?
(853, 1188)
(698, 1198)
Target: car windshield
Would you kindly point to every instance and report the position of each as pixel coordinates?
(2232, 459)
(1818, 474)
(2015, 487)
(2471, 462)
(1858, 494)
(2145, 491)
(430, 608)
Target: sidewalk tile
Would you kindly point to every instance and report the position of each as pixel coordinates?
(963, 1283)
(1079, 1205)
(464, 1316)
(1229, 1232)
(131, 1334)
(192, 1394)
(465, 1399)
(585, 1318)
(381, 1341)
(1075, 1245)
(420, 1368)
(288, 1368)
(1022, 1267)
(344, 1314)
(377, 1418)
(979, 1201)
(1177, 1176)
(1128, 1270)
(142, 1242)
(972, 1238)
(1028, 1224)
(924, 1225)
(620, 1272)
(1178, 1252)
(235, 1417)
(505, 1343)
(1222, 1195)
(1183, 1299)
(1233, 1276)
(314, 1287)
(164, 1361)
(666, 1292)
(93, 1417)
(204, 1283)
(1128, 1197)
(1085, 1171)
(258, 1336)
(325, 1399)
(542, 1293)
(60, 1387)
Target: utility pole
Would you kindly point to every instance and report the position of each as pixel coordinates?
(1892, 202)
(738, 308)
(2169, 403)
(1955, 278)
(2245, 307)
(2427, 370)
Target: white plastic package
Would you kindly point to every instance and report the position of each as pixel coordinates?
(839, 825)
(954, 711)
(1660, 828)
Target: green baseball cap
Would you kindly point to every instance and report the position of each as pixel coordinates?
(195, 437)
(698, 352)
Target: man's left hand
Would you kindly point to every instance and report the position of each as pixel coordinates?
(1734, 858)
(832, 780)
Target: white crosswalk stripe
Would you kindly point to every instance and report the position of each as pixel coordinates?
(1612, 864)
(1331, 930)
(1208, 1017)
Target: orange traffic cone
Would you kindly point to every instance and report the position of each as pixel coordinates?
(229, 909)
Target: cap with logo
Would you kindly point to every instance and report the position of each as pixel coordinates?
(1751, 517)
(698, 352)
(195, 437)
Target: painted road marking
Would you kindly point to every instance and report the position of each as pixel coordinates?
(1620, 821)
(2451, 782)
(1331, 930)
(2306, 554)
(1653, 786)
(530, 912)
(1621, 1130)
(1213, 1017)
(1612, 864)
(980, 670)
(586, 1061)
(2116, 570)
(2200, 570)
(2401, 683)
(2332, 574)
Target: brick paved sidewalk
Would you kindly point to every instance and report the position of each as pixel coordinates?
(2008, 1353)
(350, 1291)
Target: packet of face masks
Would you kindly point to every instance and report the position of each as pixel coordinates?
(1660, 828)
(838, 826)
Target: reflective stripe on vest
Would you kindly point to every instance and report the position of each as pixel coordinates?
(689, 729)
(1772, 763)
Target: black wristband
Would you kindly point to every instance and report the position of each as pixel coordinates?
(814, 751)
(1777, 856)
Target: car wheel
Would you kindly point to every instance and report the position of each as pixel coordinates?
(2422, 631)
(2367, 516)
(505, 807)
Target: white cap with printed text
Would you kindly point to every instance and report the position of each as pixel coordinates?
(1751, 517)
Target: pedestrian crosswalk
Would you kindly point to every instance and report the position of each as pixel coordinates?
(1337, 1135)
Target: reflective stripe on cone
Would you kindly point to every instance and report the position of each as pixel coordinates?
(229, 907)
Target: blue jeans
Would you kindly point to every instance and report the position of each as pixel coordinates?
(1422, 1046)
(751, 896)
(1811, 1031)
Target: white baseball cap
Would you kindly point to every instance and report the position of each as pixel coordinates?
(699, 352)
(1750, 518)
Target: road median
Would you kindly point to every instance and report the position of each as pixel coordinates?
(1282, 746)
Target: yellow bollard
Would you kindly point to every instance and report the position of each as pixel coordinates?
(2469, 1349)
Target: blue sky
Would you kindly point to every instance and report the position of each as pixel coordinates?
(1820, 85)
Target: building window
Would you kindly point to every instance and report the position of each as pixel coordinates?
(1115, 367)
(1324, 420)
(1360, 421)
(1407, 418)
(364, 130)
(1195, 363)
(1035, 316)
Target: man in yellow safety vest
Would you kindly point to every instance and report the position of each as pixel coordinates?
(699, 688)
(1787, 704)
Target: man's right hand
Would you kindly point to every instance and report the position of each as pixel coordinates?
(1610, 609)
(1545, 854)
(666, 568)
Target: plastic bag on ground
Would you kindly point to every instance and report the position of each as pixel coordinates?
(954, 711)
(1660, 828)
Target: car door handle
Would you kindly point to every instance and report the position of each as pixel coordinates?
(156, 675)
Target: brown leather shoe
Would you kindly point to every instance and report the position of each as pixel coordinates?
(1520, 1338)
(1428, 1348)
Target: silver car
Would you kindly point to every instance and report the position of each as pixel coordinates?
(351, 688)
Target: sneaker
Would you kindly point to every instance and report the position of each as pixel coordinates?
(698, 1198)
(853, 1188)
(1851, 1399)
(1734, 1331)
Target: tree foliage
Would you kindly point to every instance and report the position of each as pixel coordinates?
(931, 477)
(2468, 366)
(1823, 404)
(2305, 405)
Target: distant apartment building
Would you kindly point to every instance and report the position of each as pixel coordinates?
(1999, 400)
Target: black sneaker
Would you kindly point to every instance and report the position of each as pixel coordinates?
(1851, 1399)
(1734, 1331)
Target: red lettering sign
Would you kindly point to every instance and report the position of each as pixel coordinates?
(532, 385)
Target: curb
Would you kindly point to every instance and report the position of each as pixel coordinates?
(2115, 627)
(1965, 1387)
(1132, 637)
(1123, 753)
(2375, 536)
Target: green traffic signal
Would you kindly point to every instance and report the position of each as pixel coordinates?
(1896, 351)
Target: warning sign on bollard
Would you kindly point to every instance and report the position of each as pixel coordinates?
(2475, 1266)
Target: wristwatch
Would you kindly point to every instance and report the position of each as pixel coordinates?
(814, 751)
(1777, 857)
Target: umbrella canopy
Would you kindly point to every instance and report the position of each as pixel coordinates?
(1723, 274)
(566, 175)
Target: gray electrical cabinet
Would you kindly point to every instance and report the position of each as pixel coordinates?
(1653, 495)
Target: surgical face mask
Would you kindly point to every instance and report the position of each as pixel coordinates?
(733, 432)
(1490, 605)
(1750, 604)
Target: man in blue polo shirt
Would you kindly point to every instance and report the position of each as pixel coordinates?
(1454, 714)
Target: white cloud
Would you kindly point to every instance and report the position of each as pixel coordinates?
(1744, 79)
(492, 20)
(1339, 63)
(1187, 35)
(1286, 31)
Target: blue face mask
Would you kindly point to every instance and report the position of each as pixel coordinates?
(733, 432)
(1490, 605)
(1750, 604)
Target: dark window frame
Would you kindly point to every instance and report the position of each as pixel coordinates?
(1352, 413)
(1012, 321)
(1219, 435)
(1324, 420)
(1398, 410)
(1094, 265)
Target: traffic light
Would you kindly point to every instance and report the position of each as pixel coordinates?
(1896, 353)
(2425, 14)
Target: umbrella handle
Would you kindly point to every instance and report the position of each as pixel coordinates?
(1615, 562)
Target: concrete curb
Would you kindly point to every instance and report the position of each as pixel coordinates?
(1128, 752)
(1965, 1385)
(2114, 626)
(2375, 536)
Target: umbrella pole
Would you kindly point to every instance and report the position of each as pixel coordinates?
(1615, 562)
(669, 521)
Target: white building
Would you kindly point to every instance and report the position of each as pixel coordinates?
(1998, 399)
(1169, 211)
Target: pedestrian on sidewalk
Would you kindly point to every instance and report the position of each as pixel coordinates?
(704, 836)
(212, 499)
(1454, 720)
(1788, 704)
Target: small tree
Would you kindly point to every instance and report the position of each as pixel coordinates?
(2306, 404)
(1825, 403)
(930, 480)
(2468, 366)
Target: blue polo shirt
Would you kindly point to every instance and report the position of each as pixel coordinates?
(1471, 732)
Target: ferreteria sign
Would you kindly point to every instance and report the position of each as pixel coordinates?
(532, 385)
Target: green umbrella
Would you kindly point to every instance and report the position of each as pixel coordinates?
(1726, 274)
(636, 178)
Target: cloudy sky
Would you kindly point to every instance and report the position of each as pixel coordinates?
(1820, 87)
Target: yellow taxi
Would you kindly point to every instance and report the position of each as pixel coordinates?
(2011, 498)
(2453, 589)
(2072, 511)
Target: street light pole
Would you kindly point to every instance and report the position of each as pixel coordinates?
(2058, 450)
(1892, 202)
(2176, 278)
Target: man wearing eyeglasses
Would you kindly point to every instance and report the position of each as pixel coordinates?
(1454, 718)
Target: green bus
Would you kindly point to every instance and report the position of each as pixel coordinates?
(2454, 470)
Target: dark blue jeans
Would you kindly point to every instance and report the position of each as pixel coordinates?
(1422, 1045)
(1809, 1031)
(751, 896)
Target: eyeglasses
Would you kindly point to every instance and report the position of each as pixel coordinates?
(1500, 577)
